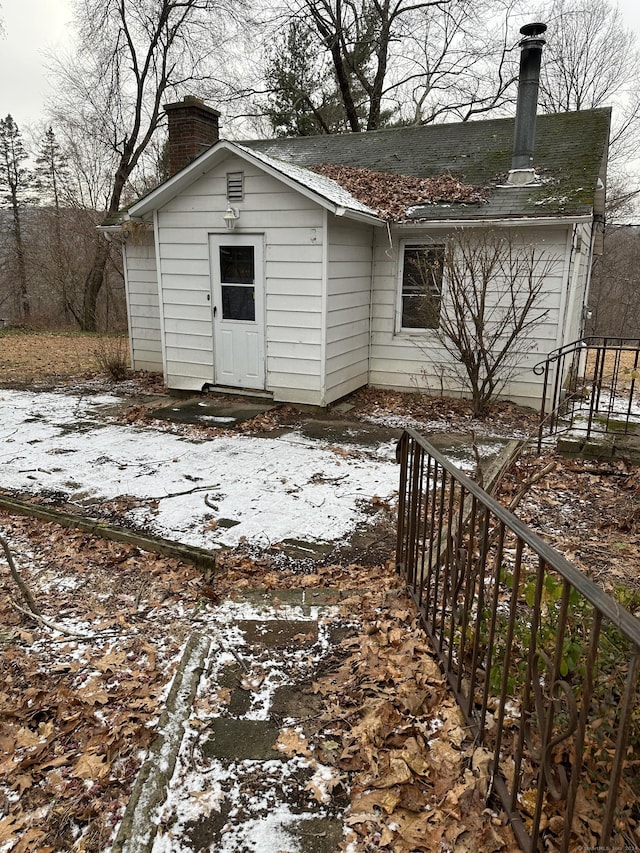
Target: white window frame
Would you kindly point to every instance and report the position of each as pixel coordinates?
(417, 243)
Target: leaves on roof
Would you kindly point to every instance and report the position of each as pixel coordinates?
(392, 195)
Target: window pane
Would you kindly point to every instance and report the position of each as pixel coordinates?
(420, 312)
(236, 264)
(238, 303)
(422, 286)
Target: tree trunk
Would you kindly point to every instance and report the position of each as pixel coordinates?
(93, 285)
(95, 279)
(25, 304)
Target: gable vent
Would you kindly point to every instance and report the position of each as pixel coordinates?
(235, 186)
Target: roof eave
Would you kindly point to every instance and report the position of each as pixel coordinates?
(313, 195)
(110, 229)
(358, 215)
(570, 219)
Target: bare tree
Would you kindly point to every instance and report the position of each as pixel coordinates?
(133, 54)
(491, 302)
(408, 61)
(615, 284)
(459, 62)
(16, 185)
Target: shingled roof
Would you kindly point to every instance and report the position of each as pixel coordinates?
(570, 156)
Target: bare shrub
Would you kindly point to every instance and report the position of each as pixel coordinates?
(489, 309)
(112, 357)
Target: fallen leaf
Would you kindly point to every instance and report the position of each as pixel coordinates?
(10, 826)
(414, 757)
(385, 799)
(22, 782)
(292, 742)
(93, 693)
(29, 840)
(397, 774)
(480, 761)
(26, 739)
(91, 767)
(412, 797)
(252, 681)
(112, 661)
(322, 783)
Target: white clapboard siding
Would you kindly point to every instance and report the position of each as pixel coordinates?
(288, 271)
(141, 282)
(300, 387)
(300, 350)
(185, 268)
(350, 263)
(410, 360)
(147, 301)
(285, 321)
(292, 230)
(280, 253)
(579, 281)
(181, 312)
(356, 326)
(286, 303)
(147, 328)
(184, 251)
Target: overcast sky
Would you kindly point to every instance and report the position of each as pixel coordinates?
(33, 27)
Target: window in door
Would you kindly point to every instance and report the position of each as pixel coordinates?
(237, 280)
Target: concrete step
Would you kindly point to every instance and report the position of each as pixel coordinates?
(232, 788)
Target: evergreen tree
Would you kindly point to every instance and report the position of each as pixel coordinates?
(51, 170)
(16, 183)
(304, 98)
(52, 175)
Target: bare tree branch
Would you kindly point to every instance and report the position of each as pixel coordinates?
(491, 302)
(19, 580)
(133, 55)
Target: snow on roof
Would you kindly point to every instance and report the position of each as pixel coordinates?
(317, 183)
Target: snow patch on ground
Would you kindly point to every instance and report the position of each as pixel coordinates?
(248, 798)
(443, 425)
(259, 490)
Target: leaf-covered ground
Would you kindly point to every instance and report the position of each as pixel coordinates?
(589, 511)
(44, 358)
(27, 357)
(79, 708)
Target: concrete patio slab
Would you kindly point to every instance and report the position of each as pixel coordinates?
(208, 411)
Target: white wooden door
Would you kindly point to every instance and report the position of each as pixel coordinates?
(238, 309)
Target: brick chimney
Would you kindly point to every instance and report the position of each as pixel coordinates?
(193, 126)
(524, 135)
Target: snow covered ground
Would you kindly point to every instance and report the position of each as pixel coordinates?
(258, 490)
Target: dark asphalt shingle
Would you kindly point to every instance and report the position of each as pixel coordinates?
(569, 155)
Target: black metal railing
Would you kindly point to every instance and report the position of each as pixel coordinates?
(543, 663)
(591, 387)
